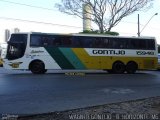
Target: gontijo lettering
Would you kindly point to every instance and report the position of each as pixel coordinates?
(109, 52)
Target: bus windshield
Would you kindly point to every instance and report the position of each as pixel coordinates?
(16, 46)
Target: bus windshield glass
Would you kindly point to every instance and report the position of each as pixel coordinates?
(16, 46)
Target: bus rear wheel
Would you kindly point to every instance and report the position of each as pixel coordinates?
(37, 67)
(118, 67)
(131, 67)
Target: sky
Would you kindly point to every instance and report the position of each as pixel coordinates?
(50, 20)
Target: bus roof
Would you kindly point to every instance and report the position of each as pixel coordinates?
(88, 35)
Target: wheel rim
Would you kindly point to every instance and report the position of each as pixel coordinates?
(37, 68)
(131, 67)
(119, 67)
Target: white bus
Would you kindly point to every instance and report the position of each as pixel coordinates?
(39, 52)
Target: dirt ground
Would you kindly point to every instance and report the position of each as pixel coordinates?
(141, 109)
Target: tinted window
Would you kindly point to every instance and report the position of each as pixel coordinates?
(99, 42)
(80, 41)
(16, 46)
(36, 41)
(151, 44)
(50, 40)
(18, 38)
(131, 43)
(77, 42)
(63, 41)
(91, 42)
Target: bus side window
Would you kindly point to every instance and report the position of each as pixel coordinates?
(51, 41)
(115, 44)
(128, 43)
(133, 44)
(99, 42)
(77, 41)
(66, 41)
(142, 44)
(57, 41)
(45, 41)
(94, 43)
(36, 41)
(87, 42)
(105, 43)
(151, 44)
(123, 43)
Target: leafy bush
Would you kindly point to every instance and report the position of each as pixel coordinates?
(97, 32)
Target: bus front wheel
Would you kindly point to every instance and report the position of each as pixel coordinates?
(118, 67)
(37, 67)
(131, 67)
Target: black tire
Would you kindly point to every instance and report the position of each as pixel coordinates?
(37, 67)
(118, 67)
(131, 67)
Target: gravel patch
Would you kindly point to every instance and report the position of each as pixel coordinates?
(141, 109)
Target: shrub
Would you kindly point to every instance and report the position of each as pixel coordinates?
(97, 32)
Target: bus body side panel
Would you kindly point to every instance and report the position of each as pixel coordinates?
(106, 61)
(65, 58)
(79, 58)
(76, 58)
(41, 54)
